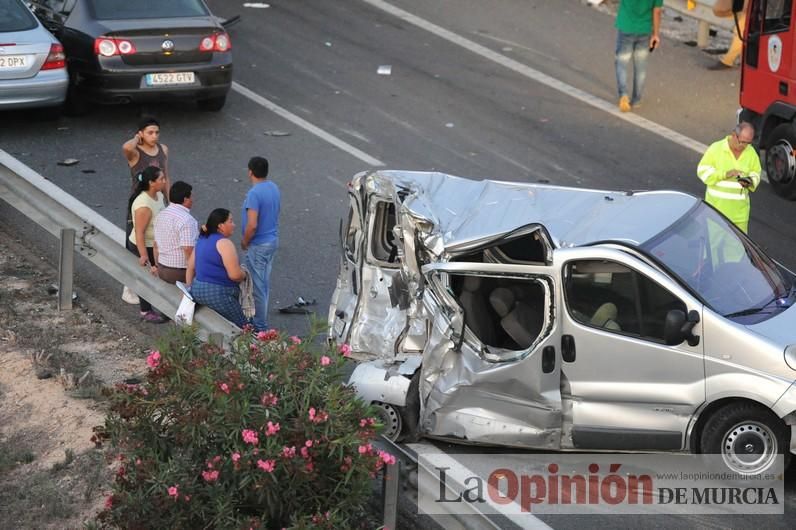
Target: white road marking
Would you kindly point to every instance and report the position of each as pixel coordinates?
(334, 180)
(539, 77)
(304, 124)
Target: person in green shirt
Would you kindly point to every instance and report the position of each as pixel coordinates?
(730, 169)
(638, 25)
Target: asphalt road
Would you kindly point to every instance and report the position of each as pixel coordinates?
(442, 107)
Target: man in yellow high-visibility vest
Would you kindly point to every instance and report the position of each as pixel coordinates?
(730, 169)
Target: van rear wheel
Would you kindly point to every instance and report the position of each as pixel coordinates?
(781, 161)
(747, 436)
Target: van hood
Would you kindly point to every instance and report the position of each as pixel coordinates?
(779, 329)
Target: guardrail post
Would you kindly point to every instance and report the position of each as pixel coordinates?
(66, 268)
(390, 490)
(703, 34)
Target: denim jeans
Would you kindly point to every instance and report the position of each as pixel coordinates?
(259, 259)
(632, 46)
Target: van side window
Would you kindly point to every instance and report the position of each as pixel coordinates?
(777, 16)
(610, 296)
(501, 312)
(383, 246)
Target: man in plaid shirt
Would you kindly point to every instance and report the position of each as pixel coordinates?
(176, 232)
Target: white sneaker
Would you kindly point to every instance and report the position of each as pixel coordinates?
(594, 2)
(129, 296)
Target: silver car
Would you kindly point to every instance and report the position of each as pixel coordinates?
(565, 319)
(32, 62)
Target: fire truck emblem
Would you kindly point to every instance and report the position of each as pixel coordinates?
(774, 52)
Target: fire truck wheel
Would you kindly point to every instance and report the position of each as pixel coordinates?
(781, 161)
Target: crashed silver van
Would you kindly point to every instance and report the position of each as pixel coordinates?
(565, 319)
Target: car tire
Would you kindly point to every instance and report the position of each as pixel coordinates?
(410, 413)
(780, 161)
(748, 437)
(75, 105)
(212, 104)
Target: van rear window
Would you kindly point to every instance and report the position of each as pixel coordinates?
(14, 16)
(125, 9)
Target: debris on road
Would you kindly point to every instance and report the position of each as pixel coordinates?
(88, 170)
(384, 69)
(257, 5)
(300, 307)
(68, 162)
(276, 133)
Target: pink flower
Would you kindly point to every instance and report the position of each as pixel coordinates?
(271, 334)
(312, 413)
(269, 400)
(109, 502)
(174, 492)
(318, 417)
(345, 350)
(235, 457)
(210, 476)
(308, 443)
(267, 465)
(250, 436)
(365, 449)
(305, 453)
(295, 340)
(153, 359)
(272, 429)
(224, 388)
(365, 422)
(290, 452)
(386, 457)
(325, 361)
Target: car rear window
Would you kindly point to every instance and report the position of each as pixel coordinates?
(123, 9)
(14, 16)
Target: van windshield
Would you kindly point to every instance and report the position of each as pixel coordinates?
(721, 264)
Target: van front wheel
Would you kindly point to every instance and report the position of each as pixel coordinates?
(747, 436)
(781, 161)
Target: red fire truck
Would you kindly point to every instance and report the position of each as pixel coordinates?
(768, 73)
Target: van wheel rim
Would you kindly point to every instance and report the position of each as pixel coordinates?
(389, 417)
(749, 447)
(780, 162)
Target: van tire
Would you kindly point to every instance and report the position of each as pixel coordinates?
(745, 424)
(780, 162)
(410, 413)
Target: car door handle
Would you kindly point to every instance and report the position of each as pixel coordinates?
(548, 359)
(568, 348)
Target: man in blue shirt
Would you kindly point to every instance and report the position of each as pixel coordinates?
(260, 235)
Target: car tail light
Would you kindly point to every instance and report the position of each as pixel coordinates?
(217, 42)
(56, 58)
(108, 47)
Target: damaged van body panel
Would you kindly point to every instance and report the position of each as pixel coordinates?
(558, 318)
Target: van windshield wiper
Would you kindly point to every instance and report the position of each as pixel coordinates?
(753, 310)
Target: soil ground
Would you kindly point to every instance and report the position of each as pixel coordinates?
(53, 365)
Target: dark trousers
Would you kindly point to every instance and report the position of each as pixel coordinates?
(170, 274)
(143, 305)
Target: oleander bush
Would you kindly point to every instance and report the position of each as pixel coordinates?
(265, 435)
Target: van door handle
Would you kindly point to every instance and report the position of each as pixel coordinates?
(548, 359)
(568, 348)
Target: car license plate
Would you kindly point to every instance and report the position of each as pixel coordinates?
(170, 78)
(339, 327)
(13, 62)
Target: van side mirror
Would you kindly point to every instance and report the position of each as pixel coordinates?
(678, 328)
(737, 6)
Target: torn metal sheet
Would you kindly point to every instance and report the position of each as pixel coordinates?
(546, 317)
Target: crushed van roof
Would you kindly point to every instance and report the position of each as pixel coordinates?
(466, 212)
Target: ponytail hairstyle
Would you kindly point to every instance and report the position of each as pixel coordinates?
(216, 217)
(143, 180)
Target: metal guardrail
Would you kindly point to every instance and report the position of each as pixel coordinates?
(703, 12)
(398, 475)
(96, 238)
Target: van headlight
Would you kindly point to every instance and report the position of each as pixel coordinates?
(790, 356)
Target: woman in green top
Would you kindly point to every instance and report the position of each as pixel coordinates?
(144, 205)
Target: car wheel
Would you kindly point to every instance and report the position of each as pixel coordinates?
(212, 104)
(389, 416)
(75, 105)
(747, 436)
(781, 161)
